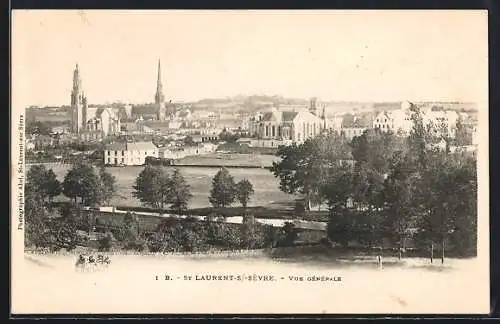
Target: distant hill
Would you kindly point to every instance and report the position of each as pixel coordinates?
(248, 104)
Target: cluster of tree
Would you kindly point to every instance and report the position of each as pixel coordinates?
(392, 188)
(229, 137)
(89, 186)
(225, 191)
(56, 228)
(158, 188)
(47, 227)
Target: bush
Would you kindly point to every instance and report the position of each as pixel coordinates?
(138, 245)
(252, 236)
(106, 242)
(272, 236)
(288, 234)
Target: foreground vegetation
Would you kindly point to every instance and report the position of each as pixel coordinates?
(382, 189)
(383, 186)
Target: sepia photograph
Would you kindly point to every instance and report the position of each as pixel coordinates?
(249, 162)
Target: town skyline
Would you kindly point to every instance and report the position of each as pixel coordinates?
(422, 60)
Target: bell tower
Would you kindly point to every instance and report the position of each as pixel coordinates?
(78, 104)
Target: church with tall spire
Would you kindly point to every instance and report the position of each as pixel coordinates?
(160, 97)
(78, 103)
(90, 123)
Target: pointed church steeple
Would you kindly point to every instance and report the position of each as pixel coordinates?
(159, 97)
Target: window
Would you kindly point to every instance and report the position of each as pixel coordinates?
(116, 152)
(123, 153)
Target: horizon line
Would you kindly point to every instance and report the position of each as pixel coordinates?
(135, 103)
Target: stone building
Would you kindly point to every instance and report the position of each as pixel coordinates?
(90, 123)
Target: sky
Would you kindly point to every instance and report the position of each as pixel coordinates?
(332, 55)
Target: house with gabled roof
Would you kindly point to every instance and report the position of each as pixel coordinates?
(355, 125)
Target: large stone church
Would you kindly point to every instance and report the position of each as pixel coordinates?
(90, 123)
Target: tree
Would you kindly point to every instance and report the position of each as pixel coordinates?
(337, 192)
(223, 191)
(464, 231)
(179, 192)
(35, 219)
(367, 188)
(188, 140)
(63, 231)
(400, 197)
(374, 149)
(152, 186)
(129, 234)
(417, 140)
(304, 168)
(108, 182)
(451, 202)
(52, 186)
(44, 182)
(244, 191)
(83, 182)
(463, 136)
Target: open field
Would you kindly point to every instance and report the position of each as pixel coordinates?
(266, 186)
(49, 283)
(230, 159)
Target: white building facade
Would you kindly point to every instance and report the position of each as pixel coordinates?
(442, 122)
(129, 153)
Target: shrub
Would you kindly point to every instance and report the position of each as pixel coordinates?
(106, 242)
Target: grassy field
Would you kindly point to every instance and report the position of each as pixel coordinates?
(129, 285)
(267, 194)
(230, 159)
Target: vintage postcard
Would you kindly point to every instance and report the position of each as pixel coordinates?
(250, 162)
